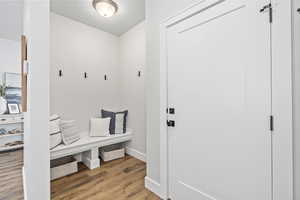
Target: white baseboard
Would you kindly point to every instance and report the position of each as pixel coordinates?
(136, 154)
(153, 186)
(24, 184)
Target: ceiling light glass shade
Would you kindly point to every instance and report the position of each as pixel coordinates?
(106, 8)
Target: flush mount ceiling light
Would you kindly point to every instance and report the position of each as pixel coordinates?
(106, 8)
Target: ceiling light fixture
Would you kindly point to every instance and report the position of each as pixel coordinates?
(106, 8)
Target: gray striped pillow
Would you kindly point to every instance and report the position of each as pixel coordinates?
(54, 130)
(69, 132)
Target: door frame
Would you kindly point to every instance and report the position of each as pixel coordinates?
(282, 93)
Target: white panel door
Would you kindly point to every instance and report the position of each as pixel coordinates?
(219, 82)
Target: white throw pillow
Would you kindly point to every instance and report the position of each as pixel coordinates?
(55, 140)
(119, 123)
(99, 127)
(54, 124)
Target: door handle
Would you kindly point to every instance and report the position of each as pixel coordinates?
(171, 123)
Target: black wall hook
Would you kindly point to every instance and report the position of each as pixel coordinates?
(139, 73)
(60, 73)
(85, 75)
(105, 77)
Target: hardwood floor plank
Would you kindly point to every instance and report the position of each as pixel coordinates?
(11, 183)
(115, 171)
(121, 179)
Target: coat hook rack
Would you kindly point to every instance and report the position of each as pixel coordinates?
(85, 75)
(105, 77)
(60, 74)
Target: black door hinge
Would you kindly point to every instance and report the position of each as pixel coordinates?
(271, 123)
(270, 8)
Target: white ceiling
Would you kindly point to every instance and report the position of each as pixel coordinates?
(130, 13)
(11, 19)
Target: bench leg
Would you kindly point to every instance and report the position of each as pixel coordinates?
(91, 158)
(78, 157)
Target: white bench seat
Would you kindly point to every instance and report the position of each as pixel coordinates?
(86, 149)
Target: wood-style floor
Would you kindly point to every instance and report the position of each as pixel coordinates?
(11, 183)
(121, 179)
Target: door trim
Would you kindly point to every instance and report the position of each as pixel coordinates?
(282, 96)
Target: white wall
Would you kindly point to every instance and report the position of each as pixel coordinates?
(11, 19)
(10, 57)
(132, 60)
(77, 48)
(296, 77)
(156, 12)
(36, 136)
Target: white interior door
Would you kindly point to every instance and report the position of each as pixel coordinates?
(219, 82)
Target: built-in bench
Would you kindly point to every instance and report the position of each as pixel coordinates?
(86, 149)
